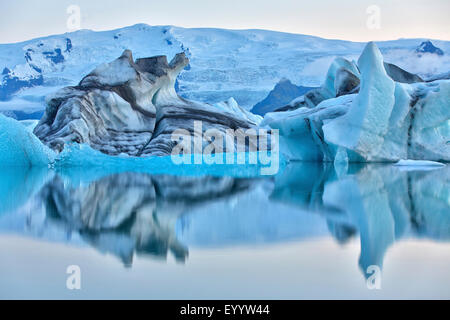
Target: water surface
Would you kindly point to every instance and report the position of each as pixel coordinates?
(312, 231)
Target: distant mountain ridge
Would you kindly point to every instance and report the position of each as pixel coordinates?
(283, 93)
(243, 64)
(428, 47)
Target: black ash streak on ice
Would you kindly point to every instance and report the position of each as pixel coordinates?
(368, 111)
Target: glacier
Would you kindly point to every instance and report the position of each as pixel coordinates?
(244, 64)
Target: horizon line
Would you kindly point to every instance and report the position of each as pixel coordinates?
(218, 28)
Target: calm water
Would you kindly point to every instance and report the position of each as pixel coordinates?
(312, 231)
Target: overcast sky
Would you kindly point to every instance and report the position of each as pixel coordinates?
(346, 19)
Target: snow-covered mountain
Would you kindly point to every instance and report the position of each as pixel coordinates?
(428, 47)
(244, 64)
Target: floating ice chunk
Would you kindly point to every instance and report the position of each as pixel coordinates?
(385, 122)
(421, 165)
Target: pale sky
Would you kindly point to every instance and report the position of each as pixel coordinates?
(338, 19)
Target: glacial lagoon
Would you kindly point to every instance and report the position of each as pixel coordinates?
(311, 231)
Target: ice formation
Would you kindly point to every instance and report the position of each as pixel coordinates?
(368, 111)
(127, 107)
(20, 147)
(386, 121)
(301, 136)
(419, 163)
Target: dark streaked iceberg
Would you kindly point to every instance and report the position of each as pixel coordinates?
(131, 107)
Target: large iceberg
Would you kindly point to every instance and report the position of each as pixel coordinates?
(386, 121)
(20, 147)
(131, 107)
(365, 124)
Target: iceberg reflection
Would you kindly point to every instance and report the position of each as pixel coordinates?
(131, 213)
(385, 204)
(128, 214)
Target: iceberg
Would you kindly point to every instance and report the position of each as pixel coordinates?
(388, 117)
(231, 106)
(20, 147)
(301, 135)
(419, 163)
(362, 128)
(131, 107)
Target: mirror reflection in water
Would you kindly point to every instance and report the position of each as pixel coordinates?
(130, 214)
